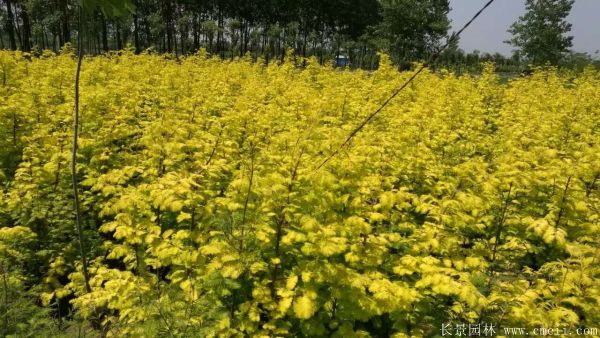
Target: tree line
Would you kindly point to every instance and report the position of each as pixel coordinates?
(408, 30)
(229, 28)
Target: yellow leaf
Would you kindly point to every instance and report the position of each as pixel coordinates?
(304, 307)
(291, 282)
(184, 216)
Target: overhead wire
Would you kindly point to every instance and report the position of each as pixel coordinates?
(431, 59)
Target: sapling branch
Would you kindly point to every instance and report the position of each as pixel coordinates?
(498, 234)
(281, 221)
(248, 192)
(562, 204)
(80, 236)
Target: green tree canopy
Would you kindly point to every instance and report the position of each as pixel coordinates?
(541, 34)
(414, 28)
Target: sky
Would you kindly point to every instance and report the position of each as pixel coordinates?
(489, 31)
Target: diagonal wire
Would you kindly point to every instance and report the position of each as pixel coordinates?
(432, 58)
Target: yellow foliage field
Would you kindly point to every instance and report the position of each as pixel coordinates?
(467, 200)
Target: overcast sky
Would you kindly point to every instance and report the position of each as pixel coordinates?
(489, 31)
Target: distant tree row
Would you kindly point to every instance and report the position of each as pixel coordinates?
(409, 30)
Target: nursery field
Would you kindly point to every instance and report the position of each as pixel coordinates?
(467, 203)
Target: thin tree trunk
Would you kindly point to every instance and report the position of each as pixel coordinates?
(167, 17)
(104, 33)
(74, 154)
(196, 33)
(5, 306)
(90, 45)
(1, 40)
(14, 129)
(9, 24)
(45, 40)
(55, 36)
(66, 31)
(97, 44)
(118, 36)
(304, 38)
(17, 30)
(26, 30)
(150, 39)
(220, 36)
(182, 35)
(136, 33)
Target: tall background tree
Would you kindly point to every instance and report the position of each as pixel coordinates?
(413, 28)
(541, 34)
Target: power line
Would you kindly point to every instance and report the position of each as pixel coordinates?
(432, 58)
